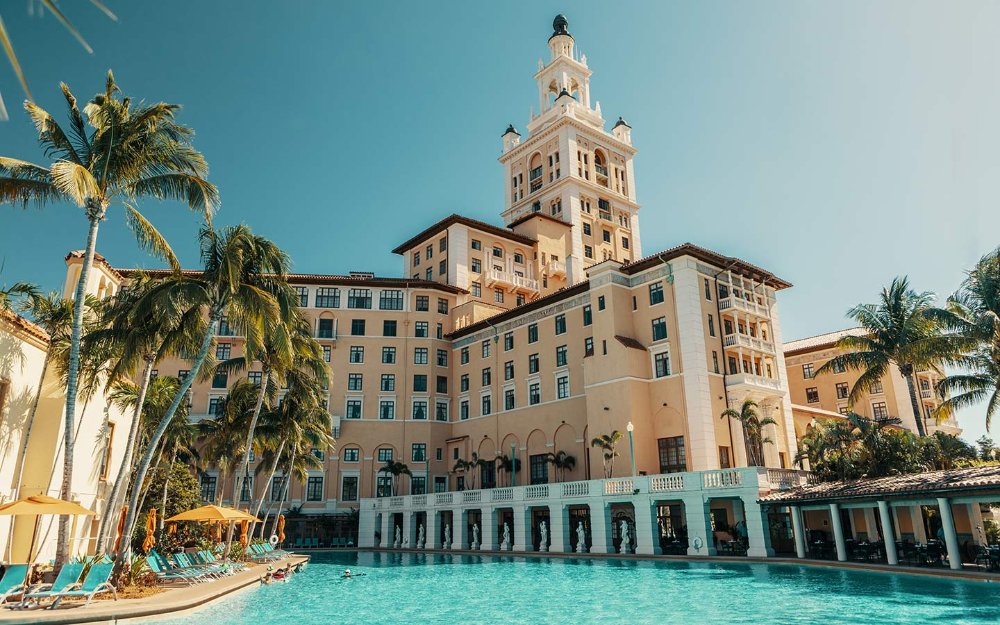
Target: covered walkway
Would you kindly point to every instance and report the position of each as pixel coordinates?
(924, 519)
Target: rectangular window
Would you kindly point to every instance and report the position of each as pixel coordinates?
(672, 455)
(442, 305)
(349, 488)
(508, 370)
(533, 363)
(385, 454)
(812, 395)
(464, 382)
(463, 356)
(724, 462)
(441, 411)
(486, 376)
(357, 327)
(539, 467)
(477, 265)
(463, 410)
(255, 377)
(708, 290)
(388, 355)
(390, 299)
(357, 354)
(588, 315)
(303, 294)
(486, 405)
(662, 364)
(476, 244)
(533, 333)
(588, 346)
(624, 243)
(439, 331)
(655, 293)
(586, 229)
(443, 244)
(715, 361)
(442, 384)
(588, 251)
(353, 410)
(418, 485)
(208, 484)
(508, 341)
(659, 328)
(497, 252)
(442, 270)
(562, 357)
(327, 297)
(420, 356)
(387, 409)
(442, 358)
(419, 383)
(807, 371)
(423, 303)
(534, 393)
(498, 295)
(562, 387)
(224, 328)
(352, 454)
(711, 325)
(419, 409)
(486, 348)
(223, 351)
(327, 353)
(879, 410)
(876, 388)
(359, 298)
(560, 324)
(314, 488)
(354, 381)
(477, 290)
(421, 329)
(842, 391)
(220, 379)
(600, 302)
(383, 485)
(388, 382)
(416, 258)
(325, 330)
(246, 490)
(508, 399)
(278, 488)
(836, 365)
(389, 328)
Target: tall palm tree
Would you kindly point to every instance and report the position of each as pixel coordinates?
(119, 153)
(607, 444)
(395, 468)
(239, 271)
(508, 466)
(902, 330)
(222, 436)
(972, 317)
(562, 462)
(299, 461)
(753, 429)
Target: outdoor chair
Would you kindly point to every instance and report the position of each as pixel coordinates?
(12, 582)
(67, 578)
(297, 544)
(982, 558)
(96, 582)
(166, 572)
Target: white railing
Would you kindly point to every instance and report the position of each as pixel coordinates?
(511, 279)
(666, 483)
(472, 496)
(395, 502)
(783, 479)
(749, 379)
(741, 304)
(536, 491)
(556, 268)
(418, 500)
(750, 342)
(502, 494)
(624, 486)
(576, 489)
(727, 478)
(925, 393)
(442, 498)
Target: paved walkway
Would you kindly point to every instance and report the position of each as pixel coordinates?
(174, 599)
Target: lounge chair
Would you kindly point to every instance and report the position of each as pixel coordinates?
(165, 572)
(96, 582)
(12, 582)
(67, 579)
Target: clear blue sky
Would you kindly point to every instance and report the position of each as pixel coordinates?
(837, 144)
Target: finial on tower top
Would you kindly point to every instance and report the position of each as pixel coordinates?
(510, 129)
(559, 26)
(621, 122)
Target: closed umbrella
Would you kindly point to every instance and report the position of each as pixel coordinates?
(150, 531)
(244, 528)
(121, 528)
(172, 529)
(36, 506)
(281, 528)
(218, 532)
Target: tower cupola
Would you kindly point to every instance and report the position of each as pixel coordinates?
(622, 131)
(511, 138)
(561, 42)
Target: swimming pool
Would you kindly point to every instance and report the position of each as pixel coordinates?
(404, 589)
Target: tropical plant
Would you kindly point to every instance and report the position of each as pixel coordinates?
(119, 153)
(395, 468)
(901, 330)
(941, 451)
(239, 271)
(508, 466)
(972, 317)
(10, 295)
(471, 469)
(222, 436)
(988, 451)
(753, 429)
(562, 462)
(607, 443)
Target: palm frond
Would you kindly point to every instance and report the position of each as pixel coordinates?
(149, 237)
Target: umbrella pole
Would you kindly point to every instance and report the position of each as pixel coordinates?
(31, 547)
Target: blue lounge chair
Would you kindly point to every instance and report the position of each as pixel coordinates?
(67, 579)
(166, 573)
(96, 582)
(12, 582)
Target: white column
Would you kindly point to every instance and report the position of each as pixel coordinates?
(600, 520)
(871, 527)
(387, 530)
(488, 530)
(409, 530)
(459, 530)
(699, 526)
(366, 527)
(976, 522)
(433, 538)
(559, 528)
(888, 534)
(799, 529)
(917, 523)
(522, 529)
(838, 532)
(647, 540)
(758, 531)
(950, 535)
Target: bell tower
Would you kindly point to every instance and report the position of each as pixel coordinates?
(568, 167)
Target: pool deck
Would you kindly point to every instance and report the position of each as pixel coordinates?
(174, 601)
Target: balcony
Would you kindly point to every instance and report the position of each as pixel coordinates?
(755, 384)
(926, 393)
(737, 303)
(511, 281)
(601, 171)
(556, 269)
(748, 342)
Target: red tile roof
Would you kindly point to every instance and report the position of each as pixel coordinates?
(455, 218)
(737, 265)
(25, 325)
(628, 341)
(316, 278)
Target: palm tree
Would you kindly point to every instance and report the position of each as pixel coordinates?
(900, 330)
(15, 292)
(471, 469)
(395, 468)
(607, 444)
(972, 317)
(753, 430)
(508, 466)
(562, 462)
(239, 271)
(222, 437)
(120, 153)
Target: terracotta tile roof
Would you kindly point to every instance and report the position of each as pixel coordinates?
(628, 341)
(930, 484)
(20, 323)
(317, 278)
(455, 218)
(525, 218)
(737, 265)
(541, 302)
(821, 341)
(100, 260)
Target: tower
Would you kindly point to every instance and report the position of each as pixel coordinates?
(570, 168)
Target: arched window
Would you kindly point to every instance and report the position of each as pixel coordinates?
(601, 167)
(535, 171)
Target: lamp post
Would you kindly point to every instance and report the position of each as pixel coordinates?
(631, 446)
(513, 464)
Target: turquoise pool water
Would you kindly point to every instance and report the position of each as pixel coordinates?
(405, 589)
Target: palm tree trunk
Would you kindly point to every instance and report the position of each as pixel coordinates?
(166, 482)
(911, 386)
(270, 479)
(122, 480)
(95, 213)
(245, 464)
(165, 422)
(222, 486)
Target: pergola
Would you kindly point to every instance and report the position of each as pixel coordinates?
(954, 490)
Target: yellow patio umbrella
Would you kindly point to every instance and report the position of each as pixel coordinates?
(213, 513)
(121, 528)
(281, 528)
(36, 506)
(244, 538)
(150, 531)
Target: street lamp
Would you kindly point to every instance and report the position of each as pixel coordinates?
(631, 445)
